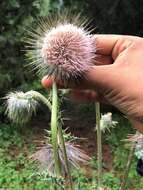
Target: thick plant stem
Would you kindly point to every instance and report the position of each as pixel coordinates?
(62, 141)
(127, 169)
(54, 129)
(58, 134)
(99, 147)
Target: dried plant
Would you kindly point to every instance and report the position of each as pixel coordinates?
(76, 157)
(21, 106)
(106, 122)
(137, 139)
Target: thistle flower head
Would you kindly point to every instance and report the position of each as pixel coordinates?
(106, 122)
(64, 49)
(75, 155)
(138, 140)
(21, 106)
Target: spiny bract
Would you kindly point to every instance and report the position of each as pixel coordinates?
(75, 155)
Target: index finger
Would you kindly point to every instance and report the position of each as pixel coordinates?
(108, 44)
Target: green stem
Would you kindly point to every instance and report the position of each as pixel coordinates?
(54, 185)
(127, 169)
(54, 129)
(62, 141)
(99, 147)
(46, 102)
(54, 116)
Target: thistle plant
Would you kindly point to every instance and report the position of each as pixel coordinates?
(61, 48)
(137, 139)
(104, 123)
(76, 157)
(21, 106)
(135, 143)
(64, 49)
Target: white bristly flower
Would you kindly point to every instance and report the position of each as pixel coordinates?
(21, 106)
(106, 122)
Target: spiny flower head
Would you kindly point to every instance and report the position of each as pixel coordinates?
(138, 140)
(75, 155)
(106, 122)
(64, 50)
(20, 106)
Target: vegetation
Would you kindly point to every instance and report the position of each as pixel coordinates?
(18, 173)
(17, 143)
(120, 17)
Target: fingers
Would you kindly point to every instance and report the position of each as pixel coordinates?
(97, 78)
(87, 96)
(100, 60)
(78, 95)
(47, 82)
(103, 60)
(101, 75)
(105, 43)
(113, 45)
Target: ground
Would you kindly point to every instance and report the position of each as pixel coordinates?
(18, 143)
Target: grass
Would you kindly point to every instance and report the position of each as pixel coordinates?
(16, 170)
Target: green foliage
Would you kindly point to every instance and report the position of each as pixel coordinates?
(15, 17)
(18, 15)
(16, 170)
(111, 181)
(120, 17)
(18, 173)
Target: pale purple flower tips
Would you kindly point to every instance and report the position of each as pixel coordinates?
(62, 49)
(68, 51)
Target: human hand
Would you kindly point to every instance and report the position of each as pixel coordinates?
(117, 77)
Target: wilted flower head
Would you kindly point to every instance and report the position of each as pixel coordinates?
(106, 122)
(21, 106)
(63, 49)
(75, 155)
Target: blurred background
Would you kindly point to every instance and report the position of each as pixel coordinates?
(107, 16)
